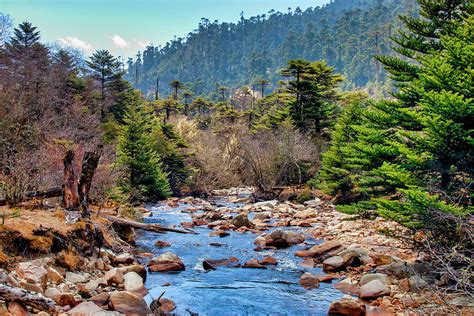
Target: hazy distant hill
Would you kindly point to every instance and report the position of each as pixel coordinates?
(345, 33)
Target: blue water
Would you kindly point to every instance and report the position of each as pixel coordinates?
(231, 291)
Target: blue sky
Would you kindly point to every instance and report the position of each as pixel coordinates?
(127, 26)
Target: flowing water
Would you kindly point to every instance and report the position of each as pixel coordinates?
(231, 291)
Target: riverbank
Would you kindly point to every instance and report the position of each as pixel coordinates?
(311, 248)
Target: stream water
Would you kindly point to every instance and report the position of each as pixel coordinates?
(231, 291)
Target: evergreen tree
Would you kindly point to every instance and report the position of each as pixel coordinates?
(143, 177)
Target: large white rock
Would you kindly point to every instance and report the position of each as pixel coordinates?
(134, 283)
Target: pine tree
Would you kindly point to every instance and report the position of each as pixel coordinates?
(143, 177)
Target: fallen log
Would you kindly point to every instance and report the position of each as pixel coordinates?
(14, 294)
(147, 227)
(44, 194)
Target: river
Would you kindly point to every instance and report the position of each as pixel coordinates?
(231, 291)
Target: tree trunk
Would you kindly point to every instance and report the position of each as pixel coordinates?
(147, 227)
(70, 191)
(89, 165)
(13, 294)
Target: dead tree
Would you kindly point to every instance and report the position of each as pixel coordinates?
(70, 189)
(13, 294)
(89, 165)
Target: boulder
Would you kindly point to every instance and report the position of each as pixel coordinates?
(52, 292)
(32, 273)
(231, 262)
(101, 299)
(114, 276)
(17, 309)
(374, 289)
(65, 299)
(208, 266)
(268, 261)
(309, 281)
(137, 268)
(75, 277)
(253, 263)
(242, 220)
(92, 285)
(54, 276)
(333, 264)
(385, 279)
(124, 258)
(342, 260)
(166, 262)
(162, 244)
(283, 239)
(128, 303)
(266, 204)
(305, 214)
(347, 307)
(327, 248)
(262, 216)
(85, 308)
(32, 287)
(134, 283)
(348, 286)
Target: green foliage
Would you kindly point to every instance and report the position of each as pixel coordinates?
(344, 33)
(7, 214)
(304, 196)
(137, 155)
(313, 86)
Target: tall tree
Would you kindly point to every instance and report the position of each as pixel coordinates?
(176, 85)
(143, 177)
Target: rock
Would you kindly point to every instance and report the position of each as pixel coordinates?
(309, 281)
(134, 283)
(101, 299)
(375, 276)
(187, 224)
(398, 269)
(52, 292)
(268, 261)
(219, 233)
(253, 263)
(313, 203)
(162, 306)
(166, 262)
(232, 262)
(32, 287)
(348, 286)
(374, 289)
(162, 244)
(325, 249)
(262, 216)
(54, 276)
(377, 311)
(137, 268)
(32, 273)
(242, 221)
(114, 276)
(333, 264)
(270, 204)
(92, 285)
(328, 277)
(207, 266)
(307, 263)
(417, 284)
(17, 309)
(63, 287)
(65, 299)
(88, 308)
(124, 258)
(309, 213)
(347, 307)
(283, 239)
(128, 303)
(99, 264)
(75, 277)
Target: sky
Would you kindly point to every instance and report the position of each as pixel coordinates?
(125, 27)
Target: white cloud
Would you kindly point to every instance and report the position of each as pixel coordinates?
(119, 41)
(75, 42)
(143, 44)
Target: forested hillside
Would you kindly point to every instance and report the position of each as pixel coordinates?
(347, 34)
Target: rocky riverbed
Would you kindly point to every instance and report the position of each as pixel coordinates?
(269, 257)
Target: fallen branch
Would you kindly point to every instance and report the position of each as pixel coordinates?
(45, 194)
(147, 227)
(14, 294)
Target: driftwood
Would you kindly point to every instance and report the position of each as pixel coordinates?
(89, 165)
(147, 227)
(45, 194)
(14, 294)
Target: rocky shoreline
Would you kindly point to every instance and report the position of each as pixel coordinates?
(380, 274)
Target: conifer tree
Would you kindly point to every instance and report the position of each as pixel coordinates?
(143, 177)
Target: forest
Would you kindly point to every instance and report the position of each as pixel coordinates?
(346, 34)
(343, 122)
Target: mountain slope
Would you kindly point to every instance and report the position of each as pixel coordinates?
(344, 33)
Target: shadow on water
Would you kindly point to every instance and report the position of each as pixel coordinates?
(231, 291)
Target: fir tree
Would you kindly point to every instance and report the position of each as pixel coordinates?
(143, 178)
